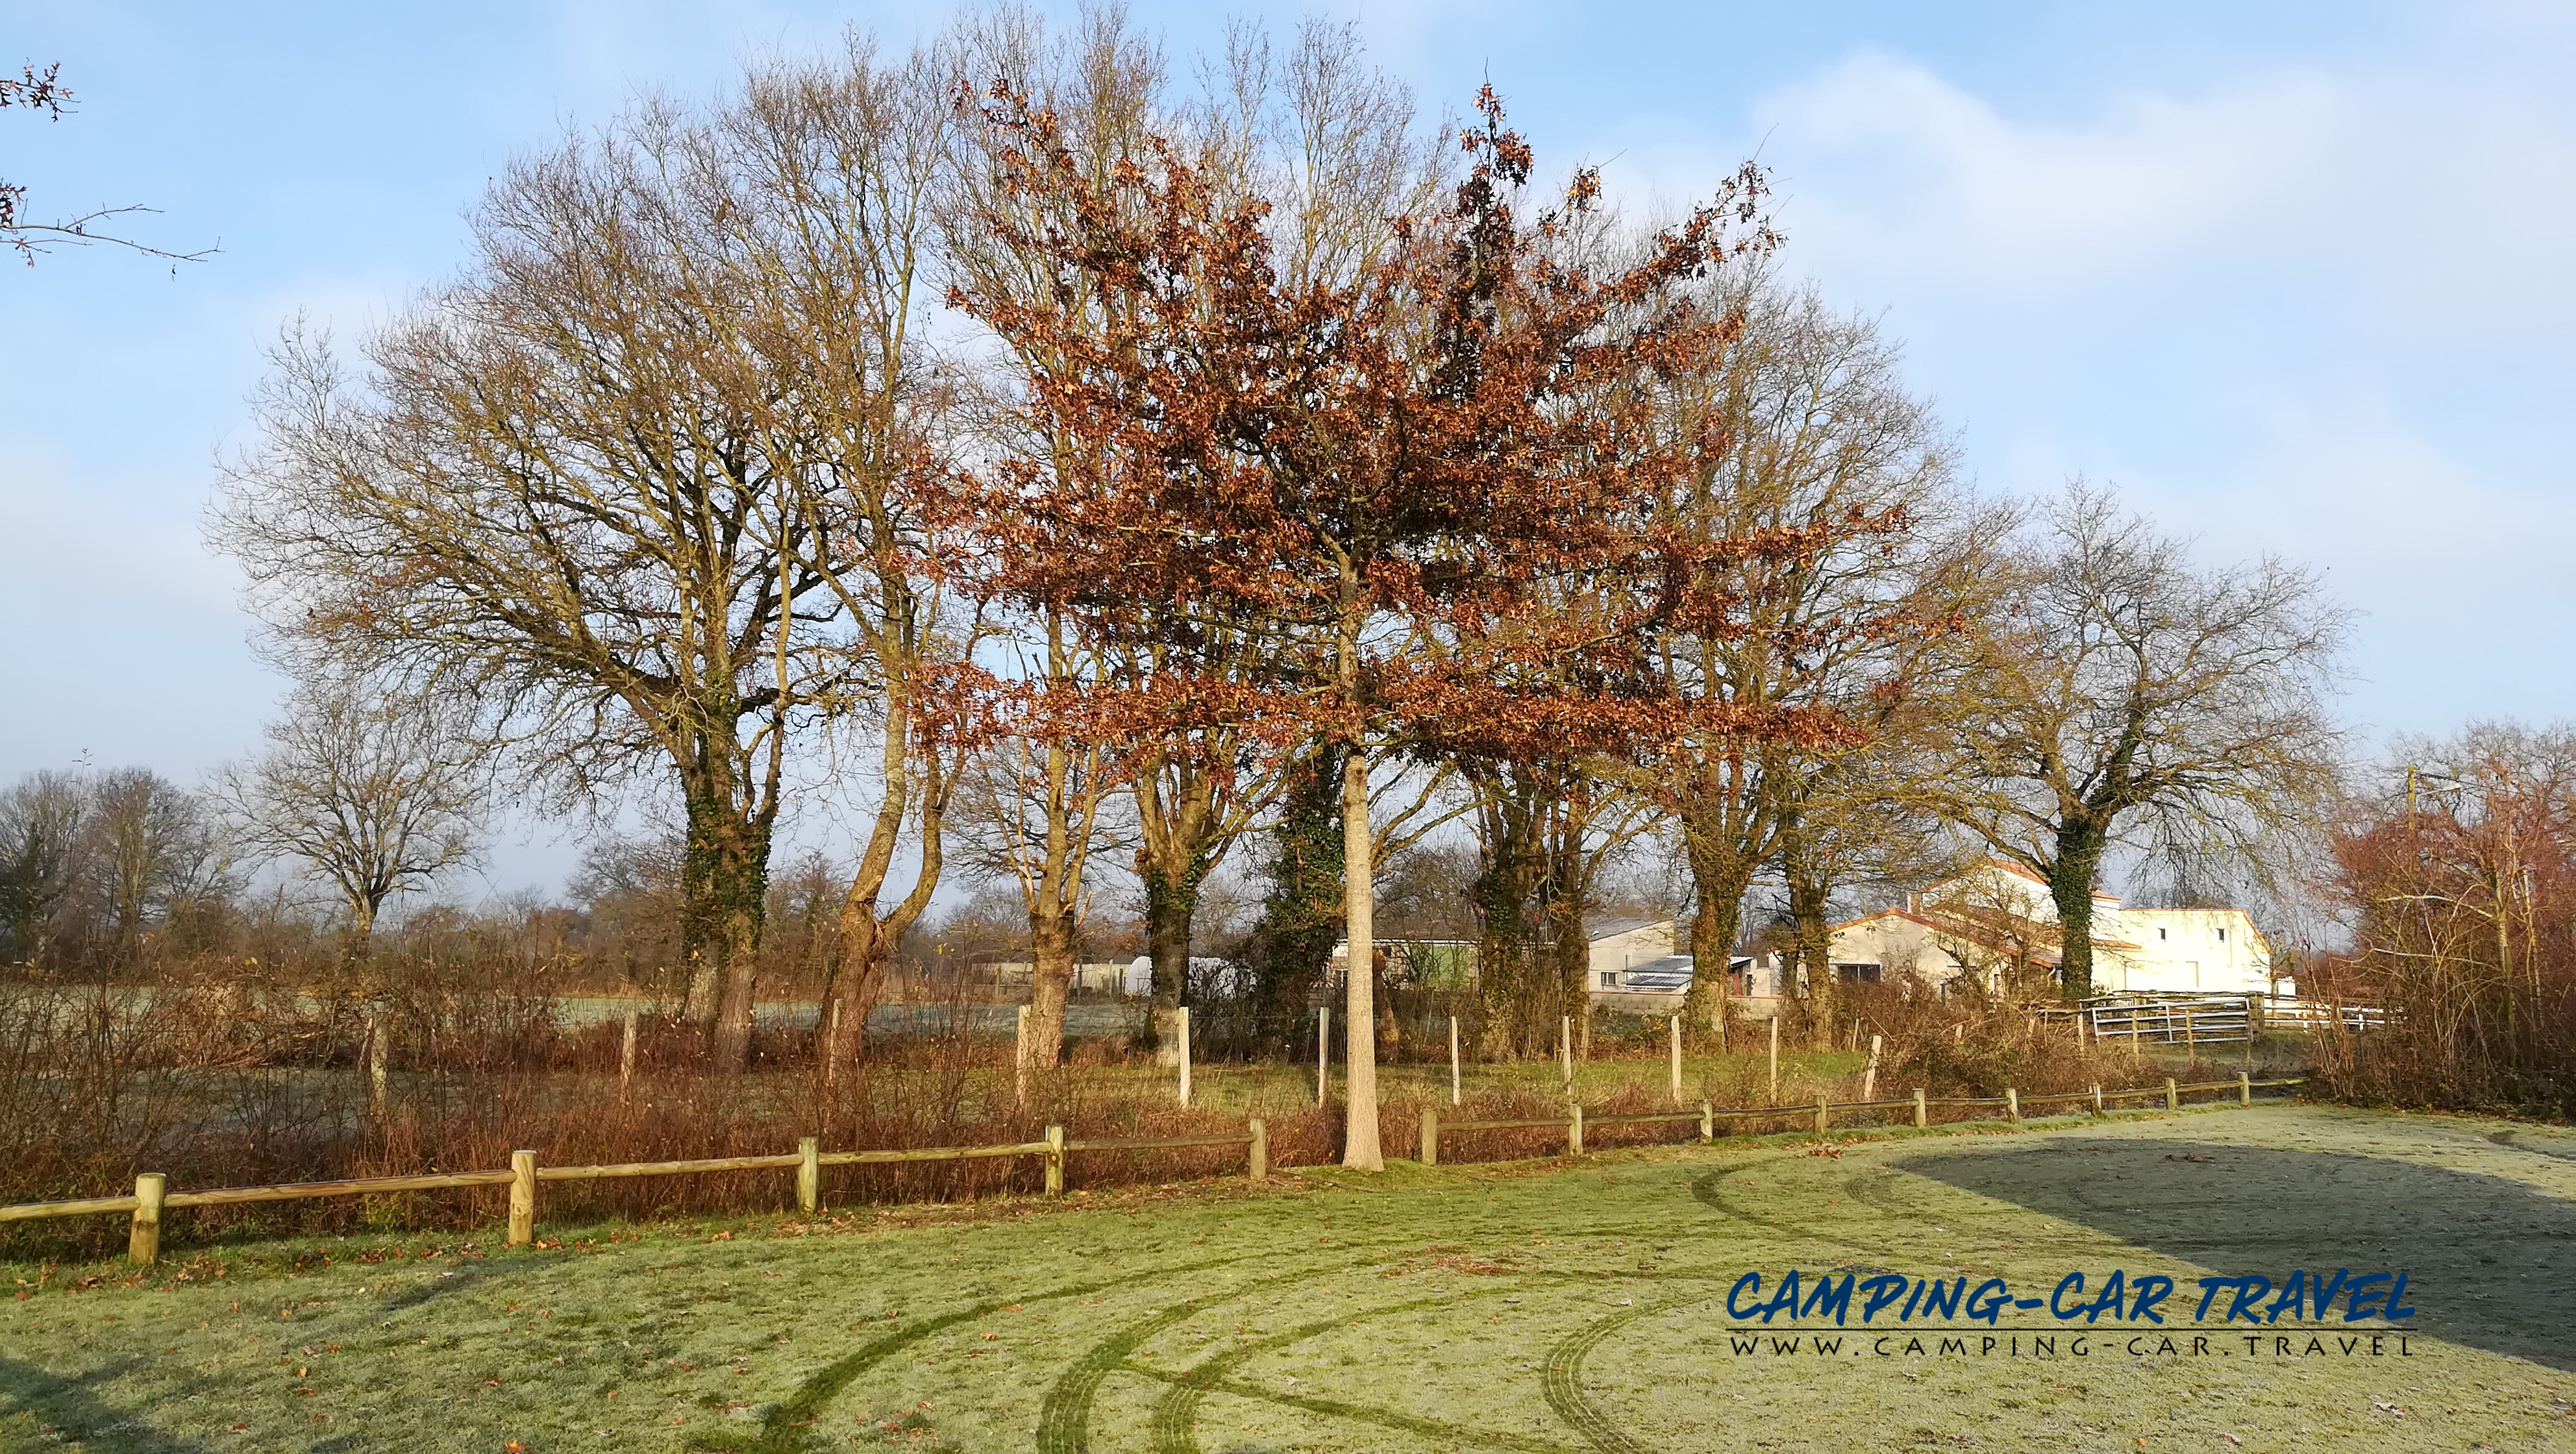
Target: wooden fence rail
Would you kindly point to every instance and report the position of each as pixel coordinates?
(151, 1193)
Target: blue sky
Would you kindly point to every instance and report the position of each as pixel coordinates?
(2296, 277)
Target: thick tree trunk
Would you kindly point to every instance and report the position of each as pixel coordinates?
(1359, 1010)
(2070, 885)
(1808, 897)
(1050, 975)
(1511, 863)
(724, 889)
(864, 954)
(1503, 930)
(1718, 882)
(1171, 902)
(1302, 915)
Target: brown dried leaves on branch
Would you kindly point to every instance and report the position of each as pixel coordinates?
(1425, 484)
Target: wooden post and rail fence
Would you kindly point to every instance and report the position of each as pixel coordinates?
(152, 1194)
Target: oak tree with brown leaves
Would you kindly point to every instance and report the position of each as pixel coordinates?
(1417, 481)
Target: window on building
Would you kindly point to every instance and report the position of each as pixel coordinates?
(2160, 933)
(1609, 979)
(2222, 936)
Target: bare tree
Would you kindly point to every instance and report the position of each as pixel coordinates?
(2129, 691)
(42, 821)
(635, 485)
(373, 794)
(43, 92)
(1811, 432)
(156, 850)
(1032, 809)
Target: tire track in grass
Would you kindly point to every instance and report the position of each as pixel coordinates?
(1064, 1421)
(1563, 1380)
(1175, 1412)
(1443, 1435)
(783, 1431)
(1065, 1414)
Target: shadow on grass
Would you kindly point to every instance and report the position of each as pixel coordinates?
(74, 1414)
(2489, 1261)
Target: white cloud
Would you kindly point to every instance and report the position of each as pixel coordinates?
(1889, 164)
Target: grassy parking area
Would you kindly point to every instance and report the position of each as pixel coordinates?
(1537, 1306)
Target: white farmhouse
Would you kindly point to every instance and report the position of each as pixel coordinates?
(1998, 917)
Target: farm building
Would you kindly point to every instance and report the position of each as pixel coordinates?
(1997, 920)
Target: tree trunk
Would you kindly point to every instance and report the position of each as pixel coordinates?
(1359, 1011)
(361, 942)
(1050, 974)
(1171, 901)
(1505, 851)
(1302, 914)
(1570, 944)
(865, 951)
(724, 885)
(2070, 885)
(1808, 897)
(1718, 882)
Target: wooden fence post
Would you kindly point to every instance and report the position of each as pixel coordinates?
(2012, 1104)
(1259, 1153)
(1574, 1130)
(1565, 1047)
(2173, 1098)
(376, 1071)
(523, 1198)
(2244, 1089)
(1775, 1057)
(1431, 1135)
(1677, 1059)
(1921, 1116)
(2097, 1100)
(1453, 1060)
(1869, 1076)
(1055, 1161)
(1020, 1056)
(1824, 1112)
(832, 1041)
(1185, 1054)
(1323, 1051)
(626, 1055)
(143, 1244)
(1707, 1122)
(809, 1174)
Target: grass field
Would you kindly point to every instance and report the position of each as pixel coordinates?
(1533, 1307)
